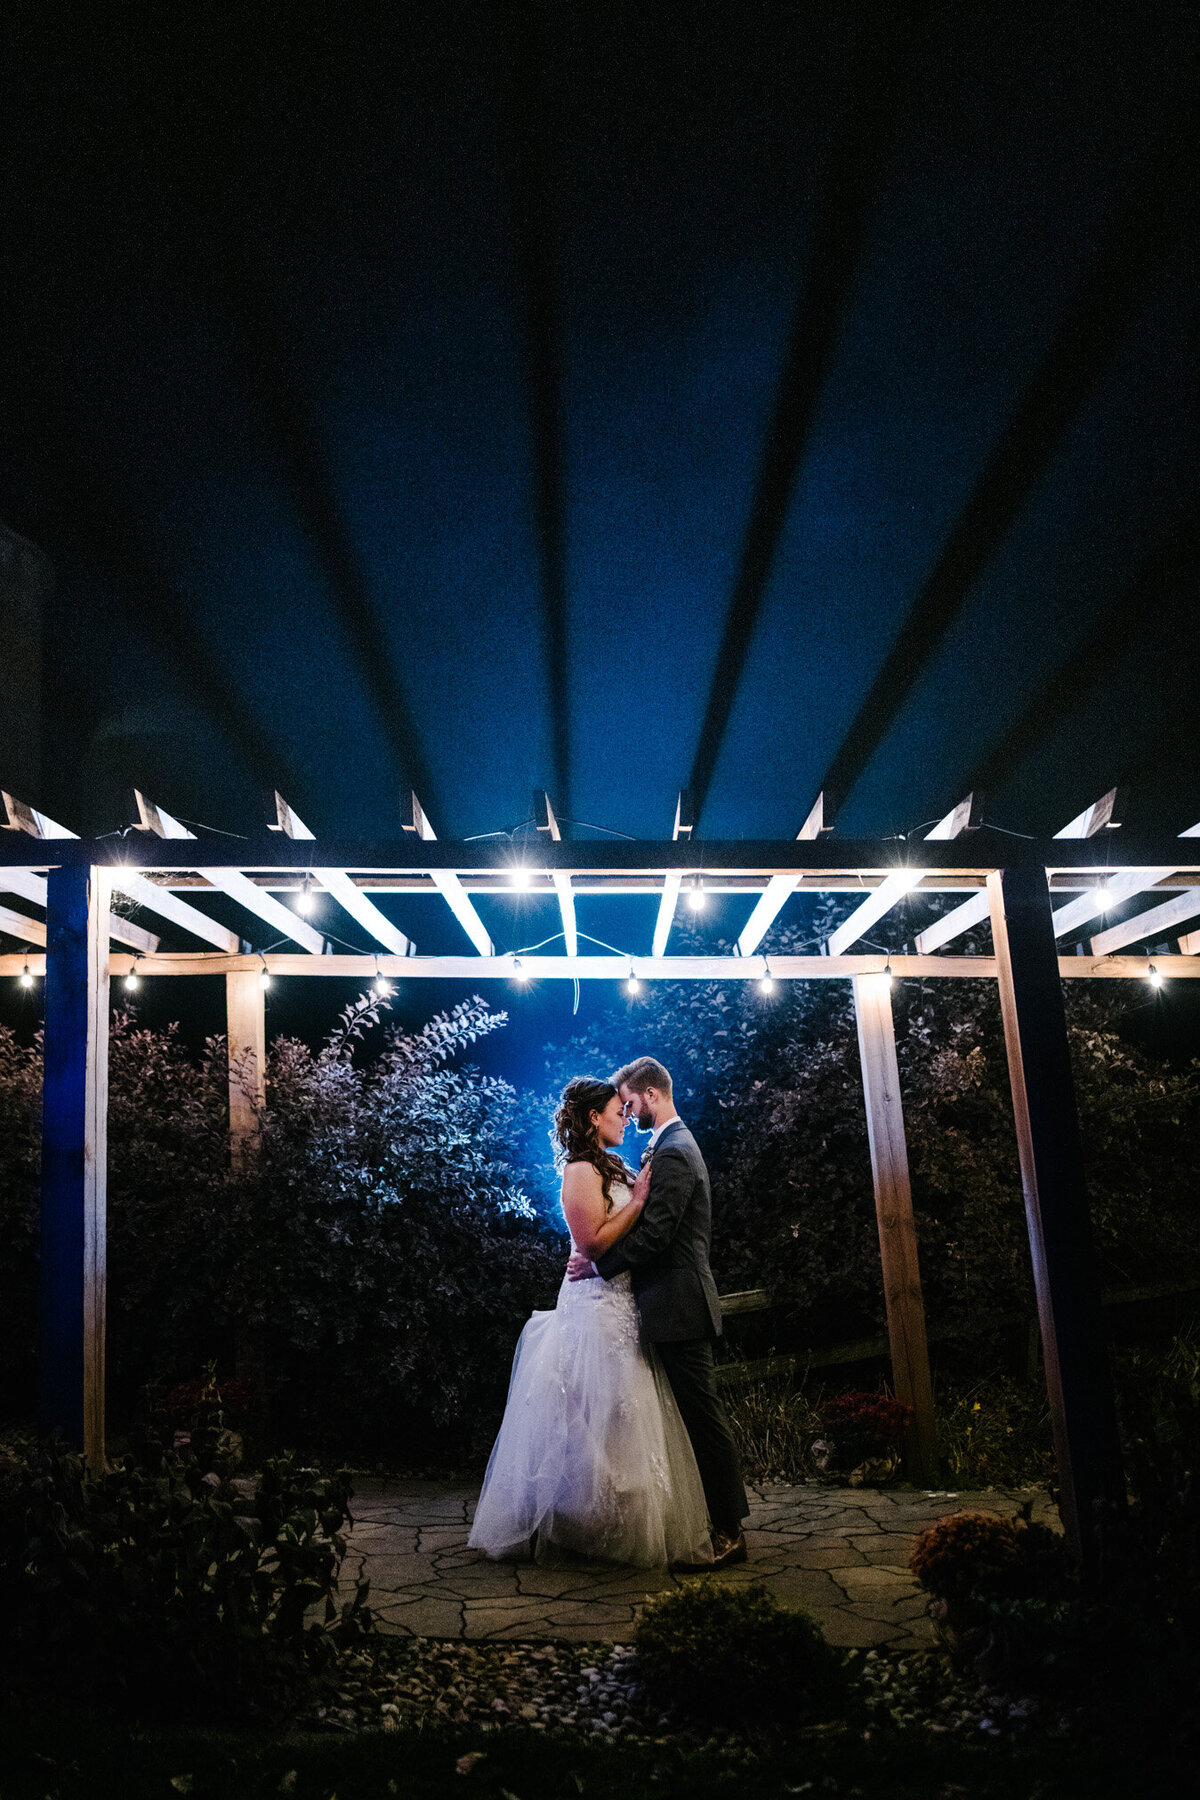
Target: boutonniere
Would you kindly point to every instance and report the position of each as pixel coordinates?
(646, 1155)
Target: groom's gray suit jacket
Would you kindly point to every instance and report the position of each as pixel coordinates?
(667, 1250)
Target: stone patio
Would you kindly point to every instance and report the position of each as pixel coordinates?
(842, 1553)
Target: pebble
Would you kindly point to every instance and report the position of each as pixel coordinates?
(541, 1686)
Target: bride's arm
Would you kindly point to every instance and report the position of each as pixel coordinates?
(583, 1208)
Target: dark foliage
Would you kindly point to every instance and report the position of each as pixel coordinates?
(730, 1654)
(771, 1086)
(369, 1267)
(168, 1588)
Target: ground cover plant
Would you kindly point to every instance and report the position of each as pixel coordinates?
(166, 1587)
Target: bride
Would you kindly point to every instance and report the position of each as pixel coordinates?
(592, 1455)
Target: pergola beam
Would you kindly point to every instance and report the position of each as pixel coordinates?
(685, 823)
(1185, 966)
(338, 884)
(974, 911)
(447, 883)
(779, 887)
(901, 881)
(35, 824)
(232, 881)
(1160, 921)
(1109, 892)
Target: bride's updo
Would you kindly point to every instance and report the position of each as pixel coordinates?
(578, 1139)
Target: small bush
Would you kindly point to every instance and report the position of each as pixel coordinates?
(863, 1425)
(973, 1557)
(164, 1588)
(734, 1653)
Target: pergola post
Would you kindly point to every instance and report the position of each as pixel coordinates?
(74, 1158)
(247, 1037)
(1078, 1379)
(894, 1215)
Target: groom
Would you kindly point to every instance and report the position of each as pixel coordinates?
(667, 1250)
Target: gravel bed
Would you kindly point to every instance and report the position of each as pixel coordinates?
(594, 1689)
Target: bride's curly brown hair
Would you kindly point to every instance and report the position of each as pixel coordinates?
(578, 1139)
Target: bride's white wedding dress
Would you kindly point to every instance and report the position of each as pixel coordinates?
(592, 1455)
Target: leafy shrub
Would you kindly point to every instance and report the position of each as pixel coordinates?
(735, 1653)
(772, 1090)
(773, 1423)
(166, 1589)
(995, 1433)
(972, 1557)
(370, 1265)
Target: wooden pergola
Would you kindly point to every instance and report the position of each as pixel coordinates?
(1033, 892)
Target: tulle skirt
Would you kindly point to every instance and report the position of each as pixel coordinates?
(592, 1455)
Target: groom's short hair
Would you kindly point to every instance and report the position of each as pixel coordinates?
(642, 1073)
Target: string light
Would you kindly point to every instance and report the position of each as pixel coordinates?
(887, 973)
(1099, 896)
(520, 973)
(26, 979)
(633, 985)
(133, 979)
(1154, 976)
(697, 898)
(520, 876)
(380, 987)
(767, 985)
(264, 974)
(306, 900)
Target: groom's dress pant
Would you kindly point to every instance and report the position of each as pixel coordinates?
(691, 1372)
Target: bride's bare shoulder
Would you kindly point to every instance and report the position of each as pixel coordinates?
(581, 1178)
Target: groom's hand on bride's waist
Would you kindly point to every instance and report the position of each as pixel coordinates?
(580, 1269)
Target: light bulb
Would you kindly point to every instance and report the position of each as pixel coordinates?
(26, 978)
(306, 900)
(132, 981)
(520, 876)
(1154, 976)
(767, 985)
(697, 898)
(264, 979)
(380, 989)
(520, 975)
(1100, 898)
(887, 973)
(633, 985)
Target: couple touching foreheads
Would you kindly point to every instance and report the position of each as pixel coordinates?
(614, 1442)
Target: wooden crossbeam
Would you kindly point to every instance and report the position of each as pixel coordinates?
(337, 883)
(619, 968)
(17, 925)
(448, 884)
(779, 887)
(233, 882)
(1160, 921)
(1111, 892)
(974, 911)
(33, 823)
(893, 889)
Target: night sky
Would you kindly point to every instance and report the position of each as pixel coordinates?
(601, 399)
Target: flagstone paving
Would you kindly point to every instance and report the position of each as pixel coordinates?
(842, 1553)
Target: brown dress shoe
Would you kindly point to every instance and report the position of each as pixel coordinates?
(729, 1550)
